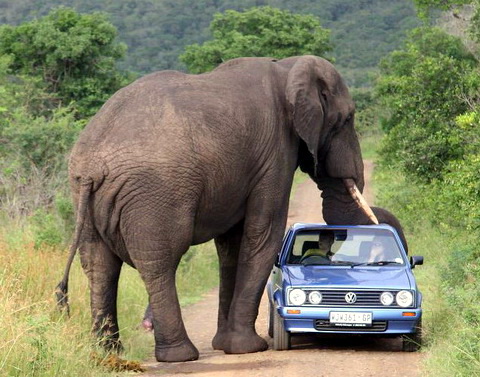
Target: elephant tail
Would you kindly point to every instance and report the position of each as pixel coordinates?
(61, 291)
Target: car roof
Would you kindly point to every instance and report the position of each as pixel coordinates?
(315, 226)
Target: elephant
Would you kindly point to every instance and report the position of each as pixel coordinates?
(174, 160)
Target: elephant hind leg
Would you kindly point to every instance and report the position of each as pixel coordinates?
(171, 340)
(102, 268)
(156, 251)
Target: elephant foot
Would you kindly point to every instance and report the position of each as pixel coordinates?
(219, 340)
(236, 342)
(112, 344)
(184, 351)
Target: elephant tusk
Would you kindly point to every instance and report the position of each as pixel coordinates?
(359, 199)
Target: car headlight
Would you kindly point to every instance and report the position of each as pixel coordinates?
(386, 298)
(297, 297)
(315, 297)
(404, 298)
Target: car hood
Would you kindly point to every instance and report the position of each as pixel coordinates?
(346, 277)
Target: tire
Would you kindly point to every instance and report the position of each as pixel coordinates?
(270, 319)
(413, 342)
(281, 338)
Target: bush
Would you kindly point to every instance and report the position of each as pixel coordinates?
(438, 222)
(458, 202)
(37, 142)
(46, 229)
(259, 31)
(422, 89)
(73, 54)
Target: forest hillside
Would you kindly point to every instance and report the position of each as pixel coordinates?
(156, 32)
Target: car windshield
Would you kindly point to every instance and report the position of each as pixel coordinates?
(351, 246)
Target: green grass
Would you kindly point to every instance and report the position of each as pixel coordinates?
(36, 340)
(449, 279)
(369, 145)
(452, 338)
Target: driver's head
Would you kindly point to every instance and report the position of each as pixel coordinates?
(378, 249)
(325, 240)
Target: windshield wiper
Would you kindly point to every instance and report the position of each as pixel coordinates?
(315, 263)
(379, 263)
(329, 263)
(347, 263)
(343, 263)
(382, 262)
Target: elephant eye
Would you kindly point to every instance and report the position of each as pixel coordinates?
(321, 92)
(349, 118)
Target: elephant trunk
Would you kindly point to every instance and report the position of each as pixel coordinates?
(344, 204)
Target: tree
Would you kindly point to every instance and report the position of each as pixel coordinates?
(259, 31)
(73, 54)
(423, 89)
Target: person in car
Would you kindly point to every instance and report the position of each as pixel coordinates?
(325, 242)
(379, 252)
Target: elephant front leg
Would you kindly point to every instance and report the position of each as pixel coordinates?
(228, 246)
(260, 244)
(103, 270)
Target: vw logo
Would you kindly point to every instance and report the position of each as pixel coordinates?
(350, 298)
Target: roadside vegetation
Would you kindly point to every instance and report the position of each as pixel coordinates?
(428, 162)
(55, 72)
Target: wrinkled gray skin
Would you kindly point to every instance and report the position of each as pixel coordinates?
(174, 160)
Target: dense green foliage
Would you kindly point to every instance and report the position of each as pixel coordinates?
(435, 225)
(426, 6)
(259, 31)
(430, 93)
(73, 54)
(424, 87)
(55, 72)
(156, 32)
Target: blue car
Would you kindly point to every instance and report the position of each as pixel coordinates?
(344, 280)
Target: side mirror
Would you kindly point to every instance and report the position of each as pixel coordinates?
(277, 260)
(416, 260)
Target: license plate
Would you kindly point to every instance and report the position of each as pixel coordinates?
(353, 319)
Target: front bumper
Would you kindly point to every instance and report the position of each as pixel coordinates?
(317, 320)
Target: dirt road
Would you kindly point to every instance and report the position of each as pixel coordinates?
(310, 356)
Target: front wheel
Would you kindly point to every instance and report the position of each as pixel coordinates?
(270, 319)
(281, 337)
(413, 342)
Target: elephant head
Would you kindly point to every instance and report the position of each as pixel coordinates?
(322, 113)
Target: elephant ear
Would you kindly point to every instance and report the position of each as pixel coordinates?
(302, 93)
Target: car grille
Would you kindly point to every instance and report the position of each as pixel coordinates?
(363, 298)
(325, 325)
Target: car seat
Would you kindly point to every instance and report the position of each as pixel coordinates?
(307, 245)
